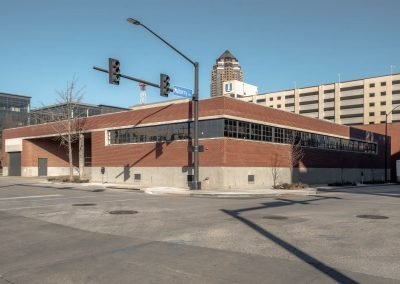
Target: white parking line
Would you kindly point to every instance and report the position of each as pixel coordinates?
(30, 207)
(27, 197)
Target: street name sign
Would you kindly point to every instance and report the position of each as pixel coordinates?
(182, 92)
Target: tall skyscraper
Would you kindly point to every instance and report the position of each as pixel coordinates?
(226, 68)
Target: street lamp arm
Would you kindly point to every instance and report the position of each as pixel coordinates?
(160, 38)
(196, 184)
(392, 110)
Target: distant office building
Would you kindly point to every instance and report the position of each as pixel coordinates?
(238, 89)
(226, 68)
(13, 111)
(356, 102)
(58, 111)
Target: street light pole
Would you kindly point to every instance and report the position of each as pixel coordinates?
(386, 141)
(196, 184)
(386, 146)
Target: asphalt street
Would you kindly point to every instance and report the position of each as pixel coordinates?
(69, 234)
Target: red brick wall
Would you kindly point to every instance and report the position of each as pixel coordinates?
(394, 133)
(255, 154)
(50, 149)
(241, 153)
(174, 154)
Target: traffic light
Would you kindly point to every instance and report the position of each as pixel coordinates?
(164, 85)
(113, 71)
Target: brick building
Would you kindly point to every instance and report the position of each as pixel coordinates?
(393, 132)
(244, 145)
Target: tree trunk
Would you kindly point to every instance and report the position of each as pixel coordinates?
(81, 155)
(71, 167)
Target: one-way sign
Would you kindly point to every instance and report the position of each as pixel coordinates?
(182, 92)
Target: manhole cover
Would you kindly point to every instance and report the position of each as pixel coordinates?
(84, 204)
(372, 217)
(118, 212)
(275, 217)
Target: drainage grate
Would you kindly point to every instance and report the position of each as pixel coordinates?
(372, 217)
(275, 217)
(120, 212)
(84, 204)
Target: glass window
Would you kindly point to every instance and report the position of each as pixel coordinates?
(244, 130)
(236, 129)
(279, 136)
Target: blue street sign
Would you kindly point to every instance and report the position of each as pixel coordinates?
(182, 92)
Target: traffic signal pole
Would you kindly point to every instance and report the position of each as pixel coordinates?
(196, 184)
(129, 78)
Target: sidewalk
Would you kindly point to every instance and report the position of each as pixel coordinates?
(172, 191)
(177, 191)
(232, 193)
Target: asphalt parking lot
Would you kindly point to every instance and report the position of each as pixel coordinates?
(86, 234)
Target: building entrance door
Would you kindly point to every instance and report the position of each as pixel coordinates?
(42, 167)
(14, 166)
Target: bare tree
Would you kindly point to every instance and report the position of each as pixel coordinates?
(68, 123)
(296, 151)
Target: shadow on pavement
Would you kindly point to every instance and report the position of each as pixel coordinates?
(322, 267)
(392, 191)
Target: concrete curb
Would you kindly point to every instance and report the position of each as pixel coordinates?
(360, 186)
(228, 194)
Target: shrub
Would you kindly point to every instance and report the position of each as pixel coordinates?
(297, 185)
(66, 179)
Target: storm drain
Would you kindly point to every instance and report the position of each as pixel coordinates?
(372, 217)
(122, 212)
(84, 204)
(97, 190)
(275, 217)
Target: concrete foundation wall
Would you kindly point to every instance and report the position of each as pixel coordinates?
(332, 175)
(214, 178)
(51, 171)
(211, 177)
(231, 177)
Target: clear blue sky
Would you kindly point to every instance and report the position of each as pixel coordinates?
(44, 43)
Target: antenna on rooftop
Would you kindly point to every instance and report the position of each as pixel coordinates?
(391, 69)
(143, 94)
